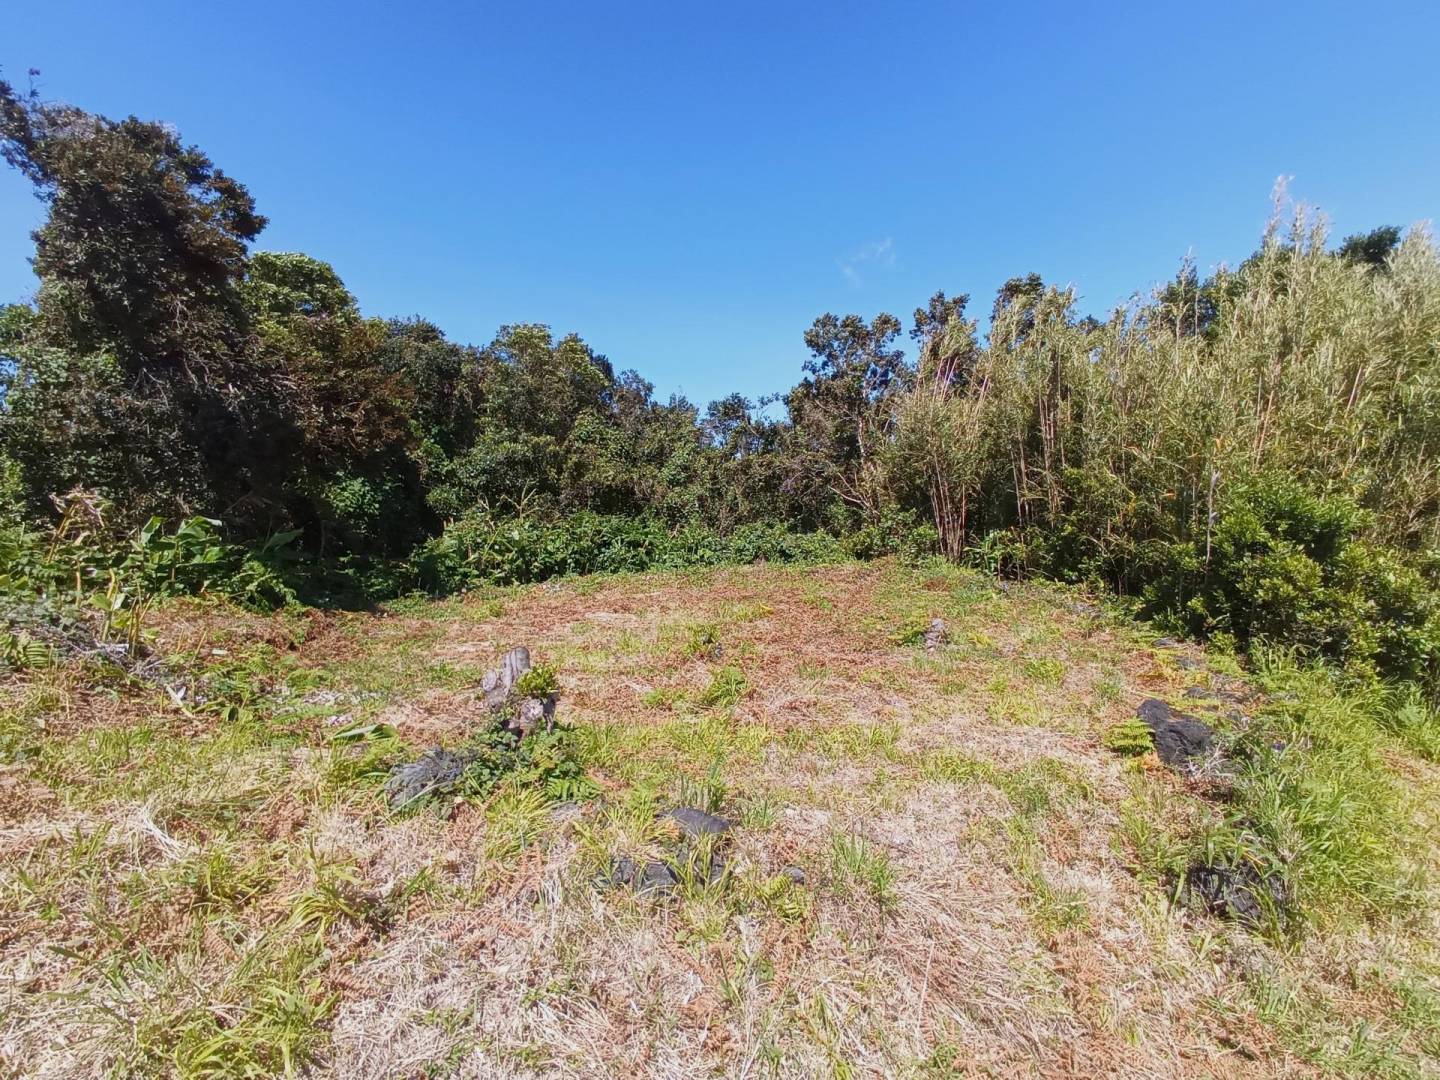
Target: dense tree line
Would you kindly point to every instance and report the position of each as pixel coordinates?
(1256, 453)
(170, 368)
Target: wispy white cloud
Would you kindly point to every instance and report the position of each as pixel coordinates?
(879, 254)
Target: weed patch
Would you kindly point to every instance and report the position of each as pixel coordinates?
(727, 686)
(900, 841)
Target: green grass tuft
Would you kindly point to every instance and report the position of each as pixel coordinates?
(727, 686)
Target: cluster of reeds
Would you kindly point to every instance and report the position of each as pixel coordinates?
(1299, 362)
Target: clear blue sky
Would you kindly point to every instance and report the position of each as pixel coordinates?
(689, 185)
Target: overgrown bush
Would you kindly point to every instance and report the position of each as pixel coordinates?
(482, 548)
(1284, 565)
(1257, 455)
(895, 531)
(83, 574)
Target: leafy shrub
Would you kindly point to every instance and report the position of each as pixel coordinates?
(482, 548)
(912, 631)
(549, 760)
(355, 503)
(1096, 533)
(1008, 553)
(894, 532)
(82, 583)
(772, 542)
(1287, 565)
(539, 681)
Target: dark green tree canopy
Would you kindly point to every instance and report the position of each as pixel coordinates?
(1372, 248)
(145, 241)
(849, 350)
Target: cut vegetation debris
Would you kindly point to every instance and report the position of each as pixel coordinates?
(848, 846)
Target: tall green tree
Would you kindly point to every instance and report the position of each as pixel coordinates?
(140, 260)
(351, 471)
(840, 410)
(144, 242)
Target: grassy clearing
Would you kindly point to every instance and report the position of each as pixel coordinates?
(946, 861)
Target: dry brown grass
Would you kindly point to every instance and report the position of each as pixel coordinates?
(992, 923)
